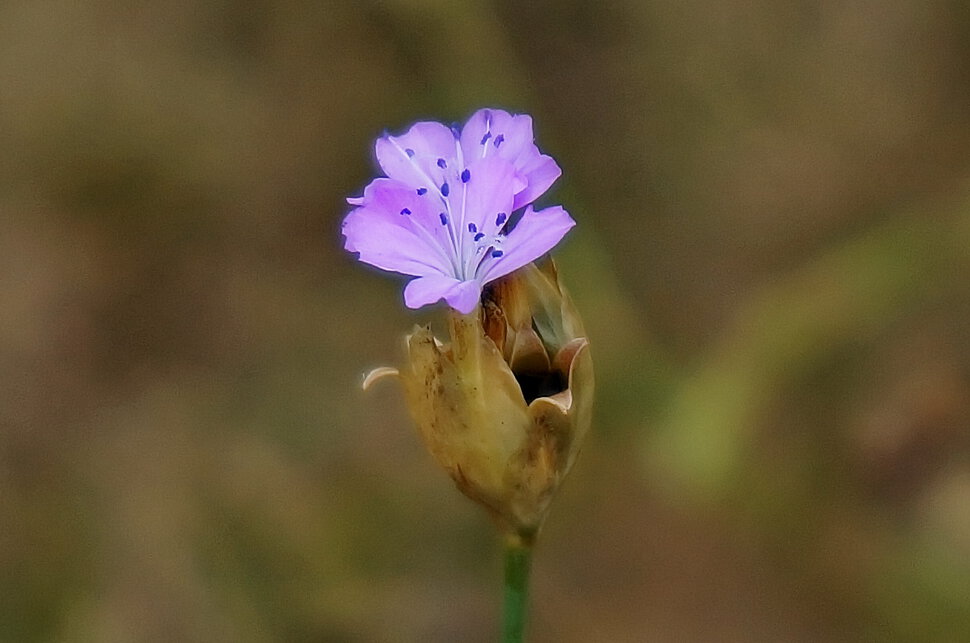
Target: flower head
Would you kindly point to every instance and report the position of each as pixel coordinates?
(449, 211)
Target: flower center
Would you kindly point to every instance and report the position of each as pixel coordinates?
(469, 247)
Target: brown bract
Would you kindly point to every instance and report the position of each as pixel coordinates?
(505, 405)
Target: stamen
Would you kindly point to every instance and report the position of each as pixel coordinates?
(485, 138)
(465, 175)
(442, 164)
(405, 211)
(497, 253)
(445, 189)
(422, 191)
(472, 228)
(478, 237)
(444, 218)
(499, 139)
(409, 152)
(500, 219)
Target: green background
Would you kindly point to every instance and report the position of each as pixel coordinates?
(772, 261)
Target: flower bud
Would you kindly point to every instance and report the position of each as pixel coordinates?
(505, 405)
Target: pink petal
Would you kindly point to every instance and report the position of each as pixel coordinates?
(535, 234)
(512, 132)
(388, 246)
(463, 296)
(401, 204)
(541, 172)
(413, 157)
(489, 192)
(514, 136)
(397, 229)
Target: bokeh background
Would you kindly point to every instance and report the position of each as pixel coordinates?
(772, 260)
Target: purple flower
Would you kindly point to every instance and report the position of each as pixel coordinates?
(440, 214)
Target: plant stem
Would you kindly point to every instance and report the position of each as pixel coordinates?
(518, 560)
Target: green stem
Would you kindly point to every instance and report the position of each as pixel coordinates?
(518, 560)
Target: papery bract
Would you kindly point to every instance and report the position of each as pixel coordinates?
(504, 407)
(443, 211)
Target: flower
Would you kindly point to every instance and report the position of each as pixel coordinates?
(504, 406)
(449, 211)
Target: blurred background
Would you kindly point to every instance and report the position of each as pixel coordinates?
(772, 260)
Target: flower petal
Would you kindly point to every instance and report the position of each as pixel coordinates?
(534, 235)
(405, 225)
(413, 157)
(403, 205)
(490, 192)
(485, 207)
(388, 246)
(541, 172)
(397, 229)
(463, 296)
(494, 132)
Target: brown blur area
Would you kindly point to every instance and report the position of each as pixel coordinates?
(772, 260)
